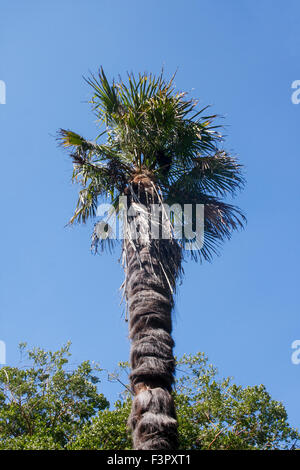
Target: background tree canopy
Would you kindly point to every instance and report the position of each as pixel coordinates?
(47, 404)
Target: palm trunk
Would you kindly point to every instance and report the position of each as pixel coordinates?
(151, 271)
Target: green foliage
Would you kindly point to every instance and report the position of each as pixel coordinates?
(107, 431)
(218, 414)
(151, 128)
(46, 406)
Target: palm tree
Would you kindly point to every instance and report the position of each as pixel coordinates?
(155, 149)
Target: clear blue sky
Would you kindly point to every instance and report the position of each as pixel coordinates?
(240, 56)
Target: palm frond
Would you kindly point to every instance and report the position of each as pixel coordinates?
(105, 98)
(219, 174)
(220, 220)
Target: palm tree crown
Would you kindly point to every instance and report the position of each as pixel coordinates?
(152, 130)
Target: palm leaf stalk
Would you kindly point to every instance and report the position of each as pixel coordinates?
(157, 148)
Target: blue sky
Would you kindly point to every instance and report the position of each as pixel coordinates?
(241, 57)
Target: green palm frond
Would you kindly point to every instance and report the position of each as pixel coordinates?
(105, 100)
(94, 151)
(219, 174)
(100, 169)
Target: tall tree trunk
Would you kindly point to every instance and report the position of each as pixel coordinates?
(153, 417)
(151, 271)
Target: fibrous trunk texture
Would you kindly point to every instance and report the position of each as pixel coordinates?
(153, 417)
(151, 269)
